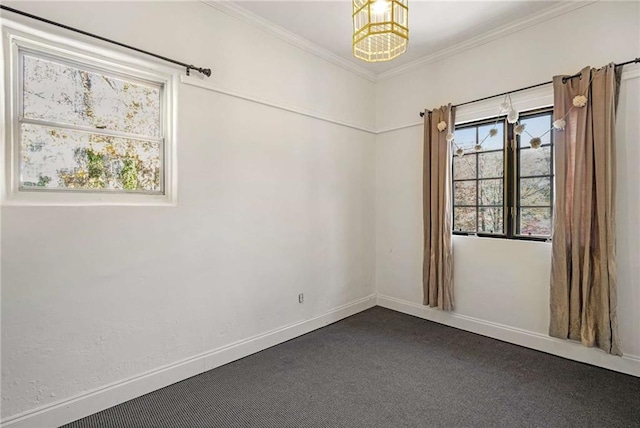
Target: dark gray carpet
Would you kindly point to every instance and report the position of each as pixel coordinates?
(380, 368)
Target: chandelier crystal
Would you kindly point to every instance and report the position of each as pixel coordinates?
(380, 29)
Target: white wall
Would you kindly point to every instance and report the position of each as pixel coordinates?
(270, 204)
(500, 283)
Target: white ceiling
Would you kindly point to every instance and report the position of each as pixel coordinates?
(433, 25)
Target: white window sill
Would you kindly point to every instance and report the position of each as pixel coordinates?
(86, 199)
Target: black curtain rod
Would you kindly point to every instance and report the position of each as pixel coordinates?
(205, 71)
(564, 80)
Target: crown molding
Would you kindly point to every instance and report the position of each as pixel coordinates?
(497, 33)
(233, 9)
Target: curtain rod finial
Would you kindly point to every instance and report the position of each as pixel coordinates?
(205, 71)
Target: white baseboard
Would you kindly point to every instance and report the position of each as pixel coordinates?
(629, 364)
(69, 410)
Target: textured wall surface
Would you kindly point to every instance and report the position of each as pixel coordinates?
(270, 204)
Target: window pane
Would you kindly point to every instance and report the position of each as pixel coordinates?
(466, 137)
(464, 219)
(67, 95)
(490, 165)
(464, 193)
(535, 221)
(535, 191)
(63, 159)
(535, 161)
(492, 143)
(491, 192)
(536, 126)
(491, 220)
(464, 167)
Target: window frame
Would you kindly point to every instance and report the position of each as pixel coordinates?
(511, 177)
(19, 40)
(476, 124)
(516, 147)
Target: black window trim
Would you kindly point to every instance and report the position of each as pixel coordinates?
(516, 179)
(511, 181)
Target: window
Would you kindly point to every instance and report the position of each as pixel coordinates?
(87, 130)
(500, 192)
(478, 185)
(534, 178)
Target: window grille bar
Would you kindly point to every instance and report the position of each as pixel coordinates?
(531, 148)
(457, 180)
(90, 130)
(483, 206)
(205, 71)
(537, 176)
(482, 152)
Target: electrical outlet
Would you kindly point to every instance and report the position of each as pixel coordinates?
(300, 297)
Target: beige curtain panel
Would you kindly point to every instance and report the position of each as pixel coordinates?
(583, 271)
(437, 267)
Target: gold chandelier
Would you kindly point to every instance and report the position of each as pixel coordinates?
(380, 29)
